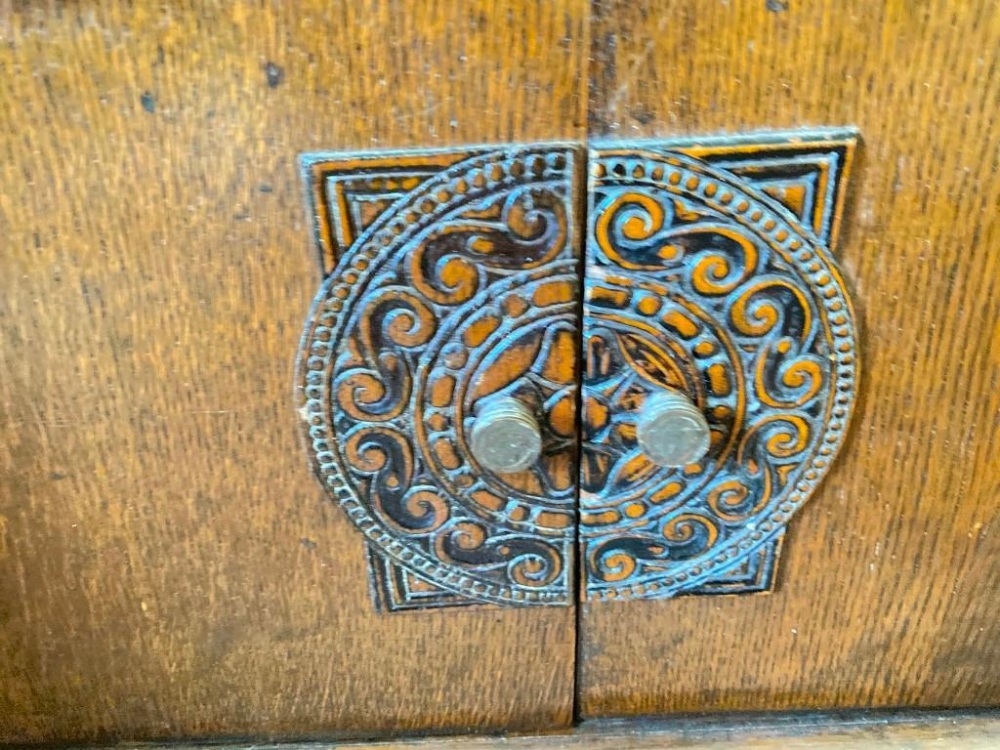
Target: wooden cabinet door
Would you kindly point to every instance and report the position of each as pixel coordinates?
(888, 581)
(169, 567)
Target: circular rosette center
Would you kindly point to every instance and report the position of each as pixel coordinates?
(517, 341)
(661, 343)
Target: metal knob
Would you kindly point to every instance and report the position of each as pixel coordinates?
(505, 436)
(671, 431)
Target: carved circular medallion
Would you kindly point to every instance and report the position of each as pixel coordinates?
(464, 290)
(696, 282)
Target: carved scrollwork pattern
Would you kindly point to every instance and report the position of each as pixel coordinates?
(465, 288)
(697, 281)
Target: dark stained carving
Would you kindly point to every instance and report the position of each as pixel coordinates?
(450, 283)
(451, 277)
(709, 272)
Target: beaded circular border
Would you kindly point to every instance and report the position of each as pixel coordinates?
(684, 176)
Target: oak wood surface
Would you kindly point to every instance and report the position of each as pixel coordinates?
(168, 565)
(889, 579)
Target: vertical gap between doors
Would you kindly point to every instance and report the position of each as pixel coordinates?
(579, 589)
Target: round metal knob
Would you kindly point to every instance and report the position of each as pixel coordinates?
(671, 431)
(505, 435)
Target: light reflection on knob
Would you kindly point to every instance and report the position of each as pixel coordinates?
(505, 435)
(671, 431)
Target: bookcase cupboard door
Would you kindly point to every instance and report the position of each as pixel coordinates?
(169, 566)
(886, 589)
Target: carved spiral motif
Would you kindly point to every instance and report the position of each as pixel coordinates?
(466, 288)
(698, 283)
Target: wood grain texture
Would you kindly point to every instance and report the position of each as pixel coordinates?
(168, 565)
(890, 577)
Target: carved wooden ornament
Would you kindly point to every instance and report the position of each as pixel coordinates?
(715, 328)
(452, 277)
(709, 273)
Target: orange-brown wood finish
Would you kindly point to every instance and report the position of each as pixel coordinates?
(889, 579)
(168, 565)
